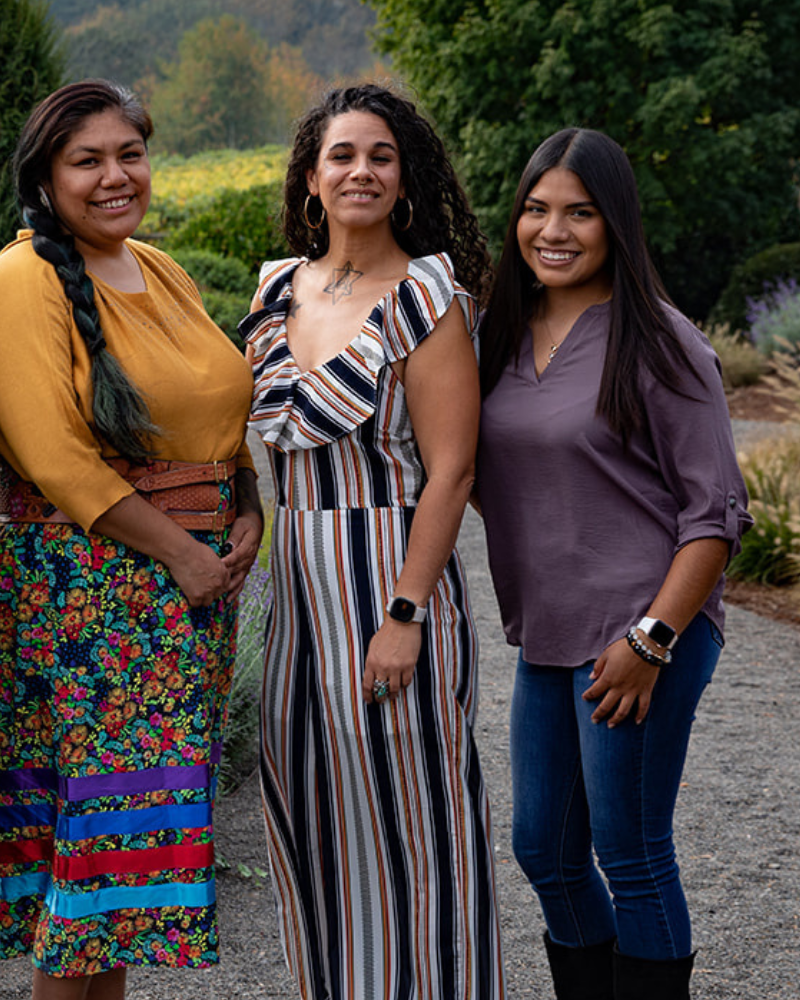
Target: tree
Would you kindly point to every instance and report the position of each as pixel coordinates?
(703, 94)
(30, 69)
(213, 97)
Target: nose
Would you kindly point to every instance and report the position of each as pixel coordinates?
(554, 228)
(114, 173)
(361, 170)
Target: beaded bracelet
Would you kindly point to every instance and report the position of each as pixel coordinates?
(642, 650)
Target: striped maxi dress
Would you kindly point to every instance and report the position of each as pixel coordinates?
(377, 817)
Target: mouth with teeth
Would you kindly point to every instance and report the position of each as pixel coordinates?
(557, 256)
(360, 195)
(113, 203)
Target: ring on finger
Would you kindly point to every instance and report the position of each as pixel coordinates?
(380, 690)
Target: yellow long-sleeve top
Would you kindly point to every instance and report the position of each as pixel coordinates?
(196, 383)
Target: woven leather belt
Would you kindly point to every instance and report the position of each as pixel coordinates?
(187, 492)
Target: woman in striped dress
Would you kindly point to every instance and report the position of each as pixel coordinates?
(366, 396)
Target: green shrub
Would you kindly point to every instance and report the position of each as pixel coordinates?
(741, 362)
(751, 279)
(771, 549)
(240, 224)
(225, 284)
(212, 270)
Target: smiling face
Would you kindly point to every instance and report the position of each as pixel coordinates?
(358, 175)
(100, 182)
(562, 236)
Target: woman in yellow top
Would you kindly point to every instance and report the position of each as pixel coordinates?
(130, 518)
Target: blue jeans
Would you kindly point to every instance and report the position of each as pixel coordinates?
(579, 785)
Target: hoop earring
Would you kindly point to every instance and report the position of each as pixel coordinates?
(309, 223)
(400, 228)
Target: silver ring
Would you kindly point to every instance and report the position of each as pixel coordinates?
(380, 690)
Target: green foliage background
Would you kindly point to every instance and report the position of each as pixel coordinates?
(31, 66)
(703, 94)
(129, 40)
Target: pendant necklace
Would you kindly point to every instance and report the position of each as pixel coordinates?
(554, 345)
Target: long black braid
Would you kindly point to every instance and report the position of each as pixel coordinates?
(120, 412)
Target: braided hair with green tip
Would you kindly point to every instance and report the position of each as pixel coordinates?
(120, 413)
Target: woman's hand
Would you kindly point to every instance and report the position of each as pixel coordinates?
(246, 532)
(244, 540)
(195, 567)
(623, 682)
(392, 656)
(200, 573)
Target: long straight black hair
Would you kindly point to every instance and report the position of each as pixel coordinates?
(640, 337)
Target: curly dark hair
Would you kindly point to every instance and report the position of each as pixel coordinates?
(120, 413)
(442, 220)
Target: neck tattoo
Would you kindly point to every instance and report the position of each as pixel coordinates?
(342, 281)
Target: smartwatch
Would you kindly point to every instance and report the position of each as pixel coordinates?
(662, 634)
(405, 611)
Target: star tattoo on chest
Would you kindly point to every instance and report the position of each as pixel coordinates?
(342, 280)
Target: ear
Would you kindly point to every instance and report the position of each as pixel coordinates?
(311, 182)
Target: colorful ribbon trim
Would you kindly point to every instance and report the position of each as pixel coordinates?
(73, 906)
(192, 856)
(98, 824)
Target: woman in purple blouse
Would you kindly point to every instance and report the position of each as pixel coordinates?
(612, 502)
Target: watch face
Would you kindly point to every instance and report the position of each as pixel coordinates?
(402, 610)
(661, 633)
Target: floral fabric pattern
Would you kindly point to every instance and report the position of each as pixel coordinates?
(112, 702)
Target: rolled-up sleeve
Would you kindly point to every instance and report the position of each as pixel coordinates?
(691, 433)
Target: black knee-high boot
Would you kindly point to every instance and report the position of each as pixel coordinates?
(645, 979)
(581, 973)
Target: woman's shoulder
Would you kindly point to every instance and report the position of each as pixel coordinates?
(420, 300)
(691, 338)
(18, 259)
(275, 275)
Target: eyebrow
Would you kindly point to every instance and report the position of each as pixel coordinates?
(72, 150)
(345, 144)
(574, 204)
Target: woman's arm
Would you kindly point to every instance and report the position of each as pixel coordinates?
(246, 531)
(623, 681)
(197, 569)
(441, 385)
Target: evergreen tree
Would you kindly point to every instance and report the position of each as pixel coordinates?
(31, 67)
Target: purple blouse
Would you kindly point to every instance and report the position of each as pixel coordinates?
(580, 532)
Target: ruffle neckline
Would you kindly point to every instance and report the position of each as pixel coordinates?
(295, 409)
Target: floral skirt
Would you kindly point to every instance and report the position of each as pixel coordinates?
(112, 700)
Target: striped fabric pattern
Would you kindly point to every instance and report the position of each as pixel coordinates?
(378, 823)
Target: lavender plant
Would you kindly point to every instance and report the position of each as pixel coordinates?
(774, 319)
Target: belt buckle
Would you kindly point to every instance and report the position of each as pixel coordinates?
(220, 472)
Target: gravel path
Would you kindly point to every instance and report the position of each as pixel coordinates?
(737, 832)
